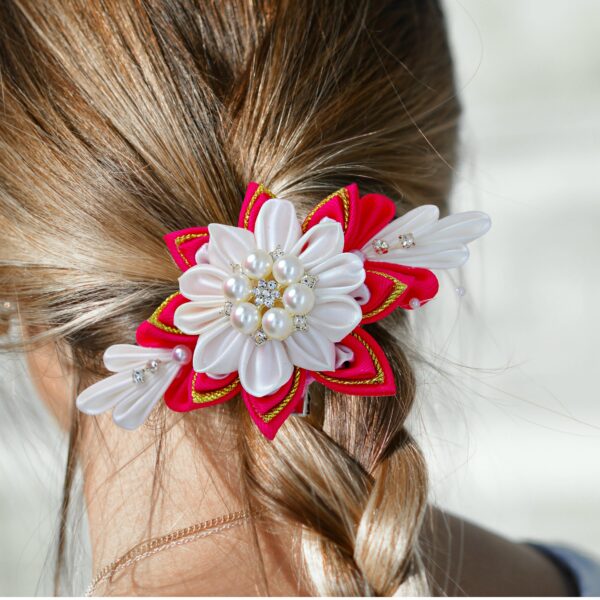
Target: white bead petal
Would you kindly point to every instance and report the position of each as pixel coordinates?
(218, 351)
(311, 350)
(335, 316)
(264, 369)
(133, 410)
(340, 274)
(124, 357)
(319, 243)
(204, 284)
(192, 318)
(229, 245)
(277, 225)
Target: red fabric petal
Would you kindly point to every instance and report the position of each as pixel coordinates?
(270, 412)
(368, 374)
(184, 244)
(360, 218)
(256, 196)
(159, 330)
(392, 286)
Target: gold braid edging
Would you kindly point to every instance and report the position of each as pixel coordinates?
(274, 412)
(184, 238)
(379, 378)
(261, 189)
(344, 197)
(398, 290)
(153, 320)
(204, 397)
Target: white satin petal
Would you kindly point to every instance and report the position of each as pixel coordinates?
(319, 243)
(343, 355)
(124, 357)
(431, 256)
(204, 284)
(362, 294)
(229, 245)
(335, 316)
(264, 369)
(218, 351)
(104, 394)
(132, 411)
(340, 274)
(457, 229)
(415, 221)
(194, 319)
(202, 255)
(311, 350)
(277, 225)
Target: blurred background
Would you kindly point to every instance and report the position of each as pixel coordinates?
(509, 410)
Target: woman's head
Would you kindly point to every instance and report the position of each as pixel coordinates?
(123, 120)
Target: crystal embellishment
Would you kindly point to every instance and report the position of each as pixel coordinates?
(406, 240)
(300, 323)
(381, 246)
(226, 309)
(277, 253)
(309, 280)
(266, 293)
(138, 376)
(260, 337)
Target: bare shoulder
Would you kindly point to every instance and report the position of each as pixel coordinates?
(463, 559)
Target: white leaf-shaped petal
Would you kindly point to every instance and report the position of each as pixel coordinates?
(229, 245)
(104, 394)
(125, 357)
(218, 351)
(335, 316)
(430, 256)
(194, 319)
(133, 410)
(202, 255)
(311, 350)
(457, 229)
(415, 221)
(277, 225)
(264, 369)
(204, 284)
(340, 274)
(319, 243)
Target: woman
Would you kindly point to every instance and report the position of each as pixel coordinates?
(124, 121)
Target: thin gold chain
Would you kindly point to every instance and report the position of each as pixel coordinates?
(165, 542)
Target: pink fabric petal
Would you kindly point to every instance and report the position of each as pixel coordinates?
(229, 245)
(256, 196)
(218, 351)
(311, 350)
(335, 316)
(185, 244)
(263, 369)
(277, 225)
(203, 284)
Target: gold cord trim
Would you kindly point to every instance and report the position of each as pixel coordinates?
(204, 397)
(379, 378)
(154, 320)
(261, 189)
(184, 238)
(398, 290)
(344, 197)
(165, 542)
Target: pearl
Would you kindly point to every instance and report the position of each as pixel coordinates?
(237, 288)
(298, 299)
(258, 264)
(245, 317)
(181, 355)
(277, 323)
(414, 303)
(460, 291)
(288, 269)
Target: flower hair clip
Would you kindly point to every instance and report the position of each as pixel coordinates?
(268, 307)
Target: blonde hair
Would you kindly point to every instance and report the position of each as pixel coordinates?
(123, 120)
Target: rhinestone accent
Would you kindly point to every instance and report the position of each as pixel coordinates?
(138, 376)
(406, 240)
(266, 293)
(380, 246)
(260, 337)
(300, 323)
(309, 280)
(226, 309)
(277, 253)
(153, 366)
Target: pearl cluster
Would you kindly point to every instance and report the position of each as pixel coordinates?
(180, 354)
(269, 295)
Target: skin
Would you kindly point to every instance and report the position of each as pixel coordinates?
(461, 558)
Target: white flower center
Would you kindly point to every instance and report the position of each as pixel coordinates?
(269, 296)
